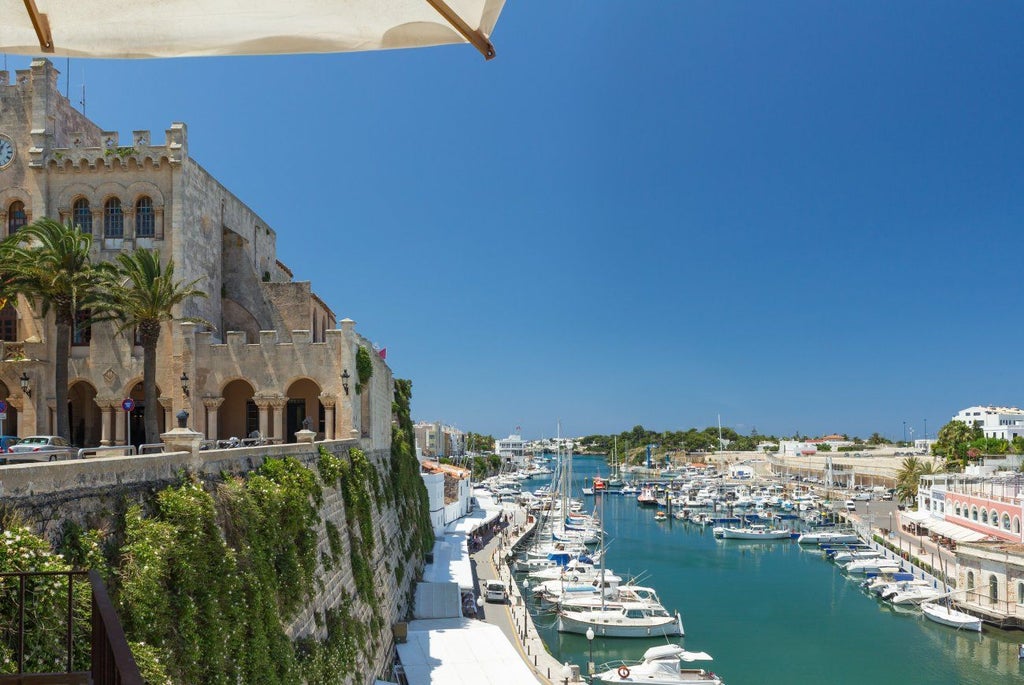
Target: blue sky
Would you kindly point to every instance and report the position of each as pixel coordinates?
(801, 216)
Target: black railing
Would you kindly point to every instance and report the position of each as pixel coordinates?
(110, 659)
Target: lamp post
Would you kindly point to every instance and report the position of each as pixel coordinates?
(590, 643)
(904, 432)
(926, 429)
(566, 673)
(26, 386)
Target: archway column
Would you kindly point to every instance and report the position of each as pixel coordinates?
(263, 404)
(328, 402)
(106, 412)
(212, 404)
(279, 403)
(168, 404)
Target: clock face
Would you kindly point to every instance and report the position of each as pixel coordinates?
(6, 151)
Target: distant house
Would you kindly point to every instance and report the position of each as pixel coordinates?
(995, 422)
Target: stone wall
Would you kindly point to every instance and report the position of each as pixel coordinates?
(91, 491)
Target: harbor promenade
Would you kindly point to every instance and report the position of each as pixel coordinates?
(491, 562)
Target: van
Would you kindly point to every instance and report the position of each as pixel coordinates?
(495, 591)
(851, 505)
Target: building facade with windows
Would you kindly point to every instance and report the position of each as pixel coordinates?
(277, 355)
(995, 422)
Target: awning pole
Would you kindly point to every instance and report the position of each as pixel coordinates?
(475, 37)
(41, 25)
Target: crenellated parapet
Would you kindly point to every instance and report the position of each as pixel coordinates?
(83, 155)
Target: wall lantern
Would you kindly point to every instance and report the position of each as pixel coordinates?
(344, 380)
(184, 383)
(25, 386)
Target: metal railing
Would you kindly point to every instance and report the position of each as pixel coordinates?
(111, 661)
(122, 450)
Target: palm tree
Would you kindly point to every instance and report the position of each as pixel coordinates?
(49, 263)
(908, 478)
(141, 294)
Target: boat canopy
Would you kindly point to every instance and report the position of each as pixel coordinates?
(674, 652)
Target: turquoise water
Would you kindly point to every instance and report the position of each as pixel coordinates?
(771, 612)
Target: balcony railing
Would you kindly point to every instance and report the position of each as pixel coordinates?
(110, 660)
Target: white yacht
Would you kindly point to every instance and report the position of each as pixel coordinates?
(660, 666)
(827, 537)
(627, 620)
(755, 531)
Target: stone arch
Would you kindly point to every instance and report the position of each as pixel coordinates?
(85, 419)
(143, 188)
(993, 589)
(72, 192)
(970, 580)
(106, 191)
(237, 416)
(13, 193)
(303, 401)
(137, 416)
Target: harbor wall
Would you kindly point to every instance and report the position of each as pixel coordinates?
(91, 493)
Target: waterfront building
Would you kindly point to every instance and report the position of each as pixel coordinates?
(992, 506)
(276, 356)
(991, 577)
(436, 439)
(449, 493)
(512, 448)
(995, 422)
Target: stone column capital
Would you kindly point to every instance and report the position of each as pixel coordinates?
(328, 400)
(278, 402)
(212, 402)
(166, 402)
(262, 402)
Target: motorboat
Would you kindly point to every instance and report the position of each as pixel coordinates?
(948, 616)
(661, 516)
(912, 592)
(755, 531)
(827, 537)
(628, 620)
(661, 665)
(877, 565)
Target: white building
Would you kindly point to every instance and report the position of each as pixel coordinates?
(995, 422)
(511, 448)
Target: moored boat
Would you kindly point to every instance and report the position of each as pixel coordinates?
(660, 666)
(755, 532)
(628, 620)
(948, 616)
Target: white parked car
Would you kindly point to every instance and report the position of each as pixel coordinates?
(42, 448)
(495, 591)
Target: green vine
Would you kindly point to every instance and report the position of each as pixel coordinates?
(364, 368)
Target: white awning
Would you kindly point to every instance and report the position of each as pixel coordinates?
(944, 528)
(188, 28)
(460, 650)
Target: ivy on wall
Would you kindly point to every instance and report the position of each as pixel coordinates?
(364, 368)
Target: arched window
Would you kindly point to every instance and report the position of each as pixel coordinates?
(970, 580)
(1006, 521)
(81, 334)
(1016, 525)
(957, 509)
(16, 217)
(145, 223)
(974, 513)
(984, 515)
(81, 215)
(113, 219)
(995, 518)
(1020, 592)
(9, 323)
(993, 589)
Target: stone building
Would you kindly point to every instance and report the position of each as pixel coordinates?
(277, 354)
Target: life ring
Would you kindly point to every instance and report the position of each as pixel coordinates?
(575, 579)
(623, 672)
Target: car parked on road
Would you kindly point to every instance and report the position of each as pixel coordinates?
(6, 441)
(41, 448)
(496, 591)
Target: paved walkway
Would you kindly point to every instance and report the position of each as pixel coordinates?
(514, 619)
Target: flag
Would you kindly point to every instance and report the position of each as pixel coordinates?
(383, 353)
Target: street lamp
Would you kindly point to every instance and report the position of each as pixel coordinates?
(904, 432)
(26, 388)
(566, 673)
(184, 384)
(344, 380)
(590, 643)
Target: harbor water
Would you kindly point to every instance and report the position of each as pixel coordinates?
(773, 612)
